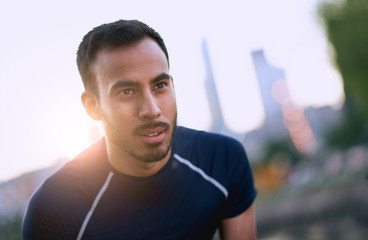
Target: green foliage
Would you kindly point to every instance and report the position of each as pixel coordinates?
(10, 229)
(352, 131)
(281, 147)
(346, 25)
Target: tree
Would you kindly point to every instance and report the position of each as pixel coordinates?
(10, 228)
(346, 25)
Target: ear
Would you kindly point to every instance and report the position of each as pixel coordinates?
(172, 81)
(91, 106)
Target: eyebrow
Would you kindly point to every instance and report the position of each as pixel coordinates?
(161, 77)
(128, 83)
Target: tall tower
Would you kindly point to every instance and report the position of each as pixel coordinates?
(211, 91)
(283, 118)
(218, 124)
(267, 76)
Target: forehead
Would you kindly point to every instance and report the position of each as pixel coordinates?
(134, 61)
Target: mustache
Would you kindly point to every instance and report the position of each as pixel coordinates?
(151, 125)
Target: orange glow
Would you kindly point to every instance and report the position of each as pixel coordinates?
(291, 112)
(280, 91)
(299, 129)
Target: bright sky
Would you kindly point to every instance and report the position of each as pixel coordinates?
(43, 120)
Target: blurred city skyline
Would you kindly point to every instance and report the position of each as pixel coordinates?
(43, 119)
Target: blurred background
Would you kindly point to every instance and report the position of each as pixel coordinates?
(286, 78)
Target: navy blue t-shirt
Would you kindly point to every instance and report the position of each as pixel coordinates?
(207, 179)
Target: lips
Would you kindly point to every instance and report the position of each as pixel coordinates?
(153, 135)
(152, 131)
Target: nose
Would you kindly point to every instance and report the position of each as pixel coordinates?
(149, 109)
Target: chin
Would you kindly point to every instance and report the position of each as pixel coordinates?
(155, 155)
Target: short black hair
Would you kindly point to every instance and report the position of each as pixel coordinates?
(114, 34)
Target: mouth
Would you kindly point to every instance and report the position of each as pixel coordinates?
(153, 135)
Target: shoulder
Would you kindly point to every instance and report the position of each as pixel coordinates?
(186, 136)
(206, 144)
(65, 194)
(217, 155)
(74, 175)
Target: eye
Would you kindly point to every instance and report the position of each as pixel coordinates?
(127, 91)
(161, 85)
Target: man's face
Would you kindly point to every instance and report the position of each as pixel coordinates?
(136, 100)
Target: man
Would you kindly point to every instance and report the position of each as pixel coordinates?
(147, 178)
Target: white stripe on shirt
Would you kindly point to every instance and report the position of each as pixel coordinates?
(94, 204)
(203, 174)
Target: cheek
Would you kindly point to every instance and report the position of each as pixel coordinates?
(125, 116)
(170, 105)
(120, 115)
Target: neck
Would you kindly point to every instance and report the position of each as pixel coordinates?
(124, 163)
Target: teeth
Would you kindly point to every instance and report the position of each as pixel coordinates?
(152, 135)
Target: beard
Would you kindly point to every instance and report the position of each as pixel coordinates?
(155, 154)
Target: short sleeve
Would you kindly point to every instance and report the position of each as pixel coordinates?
(50, 213)
(242, 192)
(39, 222)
